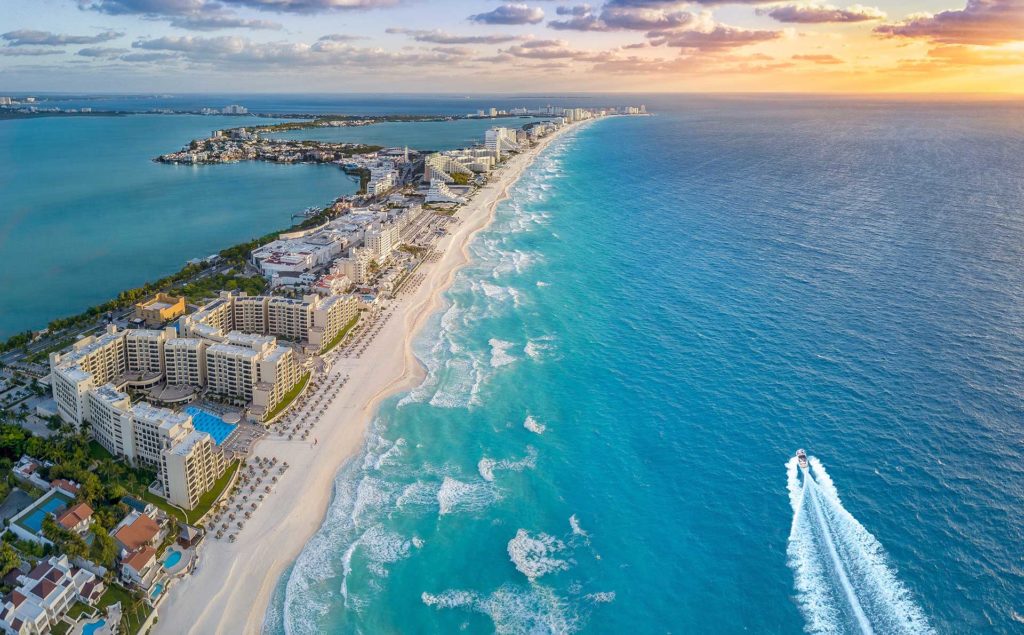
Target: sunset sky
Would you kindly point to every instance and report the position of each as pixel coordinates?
(535, 46)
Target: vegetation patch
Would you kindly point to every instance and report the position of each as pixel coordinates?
(341, 334)
(288, 397)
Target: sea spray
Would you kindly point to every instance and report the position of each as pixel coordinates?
(534, 556)
(533, 425)
(487, 466)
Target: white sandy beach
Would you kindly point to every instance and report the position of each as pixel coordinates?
(234, 583)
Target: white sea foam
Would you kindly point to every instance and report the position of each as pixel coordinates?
(487, 466)
(534, 556)
(512, 609)
(455, 495)
(417, 493)
(382, 547)
(499, 353)
(601, 597)
(576, 529)
(541, 283)
(533, 425)
(843, 578)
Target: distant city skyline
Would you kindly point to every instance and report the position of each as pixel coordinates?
(481, 46)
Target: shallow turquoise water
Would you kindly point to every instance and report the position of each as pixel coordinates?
(663, 312)
(86, 213)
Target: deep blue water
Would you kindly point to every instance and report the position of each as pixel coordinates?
(663, 312)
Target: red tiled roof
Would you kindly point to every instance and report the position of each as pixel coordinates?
(72, 516)
(140, 558)
(141, 531)
(65, 485)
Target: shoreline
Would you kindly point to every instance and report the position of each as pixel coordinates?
(232, 587)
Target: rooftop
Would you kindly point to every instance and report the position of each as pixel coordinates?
(139, 532)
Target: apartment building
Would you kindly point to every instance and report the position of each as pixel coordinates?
(292, 319)
(144, 349)
(289, 318)
(382, 241)
(185, 363)
(190, 468)
(331, 315)
(108, 414)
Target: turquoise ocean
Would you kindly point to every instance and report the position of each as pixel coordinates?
(665, 309)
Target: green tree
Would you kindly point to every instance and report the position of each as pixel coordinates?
(103, 549)
(9, 558)
(66, 541)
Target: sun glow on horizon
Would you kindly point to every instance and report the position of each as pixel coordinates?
(615, 45)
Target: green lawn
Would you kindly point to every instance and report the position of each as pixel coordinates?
(78, 609)
(341, 334)
(99, 452)
(288, 398)
(133, 612)
(61, 628)
(207, 500)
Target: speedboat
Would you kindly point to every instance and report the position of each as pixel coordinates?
(801, 458)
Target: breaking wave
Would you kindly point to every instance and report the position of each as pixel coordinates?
(533, 425)
(487, 466)
(534, 556)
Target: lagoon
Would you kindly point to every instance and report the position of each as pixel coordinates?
(85, 213)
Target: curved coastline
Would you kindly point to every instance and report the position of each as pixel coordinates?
(231, 590)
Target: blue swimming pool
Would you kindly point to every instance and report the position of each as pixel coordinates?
(92, 627)
(33, 521)
(210, 423)
(172, 559)
(157, 590)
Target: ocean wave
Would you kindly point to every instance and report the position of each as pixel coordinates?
(499, 353)
(533, 425)
(382, 547)
(417, 493)
(487, 466)
(513, 609)
(534, 556)
(539, 348)
(574, 523)
(601, 597)
(455, 495)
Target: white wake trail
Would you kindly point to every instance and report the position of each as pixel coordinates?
(843, 578)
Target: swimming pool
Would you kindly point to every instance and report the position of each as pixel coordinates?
(92, 627)
(172, 559)
(210, 423)
(157, 590)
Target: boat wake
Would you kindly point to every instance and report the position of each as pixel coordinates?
(844, 581)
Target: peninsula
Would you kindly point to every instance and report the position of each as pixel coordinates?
(214, 395)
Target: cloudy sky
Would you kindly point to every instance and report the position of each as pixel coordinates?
(535, 46)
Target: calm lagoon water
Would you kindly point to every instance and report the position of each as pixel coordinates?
(86, 213)
(665, 310)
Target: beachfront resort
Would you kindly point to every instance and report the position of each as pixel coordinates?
(154, 413)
